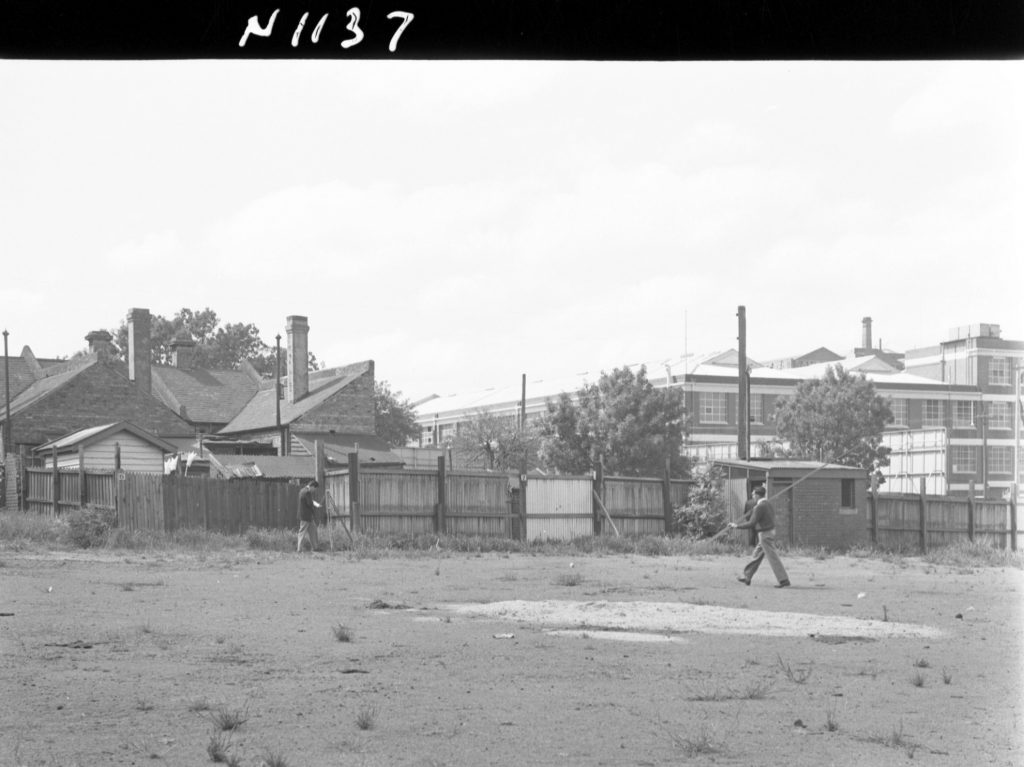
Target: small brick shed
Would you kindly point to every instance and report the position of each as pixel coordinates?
(816, 504)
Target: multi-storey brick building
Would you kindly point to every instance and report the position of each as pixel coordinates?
(964, 387)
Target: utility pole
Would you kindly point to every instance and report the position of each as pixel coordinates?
(743, 411)
(277, 395)
(7, 395)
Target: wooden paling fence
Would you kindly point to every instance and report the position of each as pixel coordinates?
(463, 503)
(920, 522)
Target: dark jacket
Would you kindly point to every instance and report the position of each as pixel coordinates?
(762, 519)
(307, 512)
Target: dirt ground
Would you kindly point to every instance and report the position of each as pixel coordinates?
(500, 659)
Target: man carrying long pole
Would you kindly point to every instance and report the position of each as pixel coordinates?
(762, 520)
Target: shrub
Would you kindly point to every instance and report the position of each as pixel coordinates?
(704, 513)
(89, 527)
(263, 539)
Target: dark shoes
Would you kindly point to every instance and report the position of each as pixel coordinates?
(782, 585)
(743, 580)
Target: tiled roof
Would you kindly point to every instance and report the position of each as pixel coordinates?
(50, 383)
(208, 396)
(261, 410)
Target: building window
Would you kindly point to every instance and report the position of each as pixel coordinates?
(999, 371)
(999, 415)
(964, 460)
(899, 412)
(428, 435)
(1000, 460)
(963, 413)
(847, 498)
(756, 408)
(931, 413)
(713, 407)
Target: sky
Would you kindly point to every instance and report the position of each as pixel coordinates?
(463, 223)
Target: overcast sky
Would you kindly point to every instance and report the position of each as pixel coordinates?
(463, 223)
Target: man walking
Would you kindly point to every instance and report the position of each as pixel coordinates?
(307, 516)
(762, 521)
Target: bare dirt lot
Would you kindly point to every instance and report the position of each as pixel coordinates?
(506, 660)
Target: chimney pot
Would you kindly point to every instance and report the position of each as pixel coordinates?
(99, 343)
(181, 352)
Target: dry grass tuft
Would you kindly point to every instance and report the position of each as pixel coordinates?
(366, 719)
(795, 675)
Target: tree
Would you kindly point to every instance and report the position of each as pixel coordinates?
(218, 347)
(623, 419)
(838, 418)
(497, 442)
(394, 421)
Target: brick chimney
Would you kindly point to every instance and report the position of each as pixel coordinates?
(139, 371)
(181, 352)
(99, 343)
(297, 385)
(865, 341)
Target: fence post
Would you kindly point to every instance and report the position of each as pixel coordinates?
(873, 507)
(83, 494)
(597, 493)
(118, 485)
(522, 506)
(56, 483)
(439, 510)
(666, 498)
(353, 492)
(1013, 516)
(924, 518)
(970, 511)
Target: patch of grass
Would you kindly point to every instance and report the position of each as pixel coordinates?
(831, 719)
(89, 527)
(273, 759)
(366, 719)
(918, 679)
(895, 739)
(756, 690)
(796, 675)
(263, 539)
(198, 705)
(341, 633)
(947, 676)
(921, 663)
(229, 720)
(979, 553)
(219, 750)
(699, 744)
(568, 579)
(141, 704)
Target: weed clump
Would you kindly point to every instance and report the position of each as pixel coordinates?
(89, 527)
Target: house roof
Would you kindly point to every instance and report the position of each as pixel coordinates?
(54, 378)
(261, 411)
(207, 396)
(86, 437)
(268, 466)
(784, 464)
(372, 449)
(23, 371)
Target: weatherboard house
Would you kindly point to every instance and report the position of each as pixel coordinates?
(116, 445)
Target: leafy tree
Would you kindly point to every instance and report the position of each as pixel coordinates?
(218, 346)
(622, 418)
(838, 418)
(496, 442)
(394, 420)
